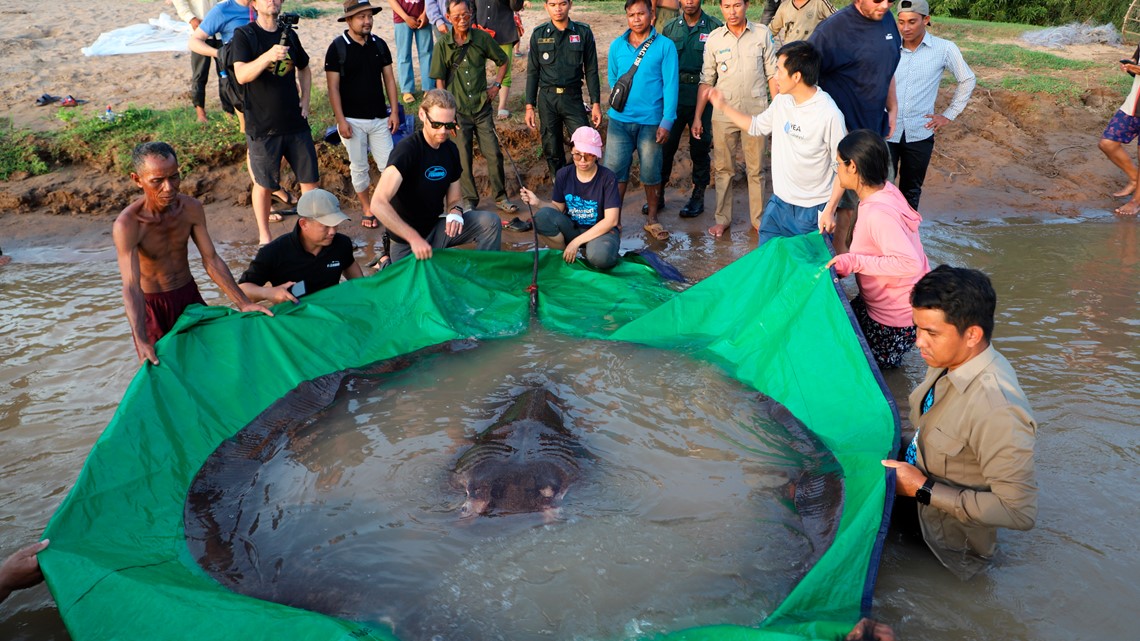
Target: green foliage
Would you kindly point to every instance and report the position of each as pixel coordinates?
(1034, 12)
(1034, 83)
(18, 153)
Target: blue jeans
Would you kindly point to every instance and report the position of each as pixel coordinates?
(405, 73)
(622, 138)
(600, 253)
(785, 220)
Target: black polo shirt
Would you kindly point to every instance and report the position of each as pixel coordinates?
(285, 259)
(362, 75)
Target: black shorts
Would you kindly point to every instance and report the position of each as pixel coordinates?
(265, 156)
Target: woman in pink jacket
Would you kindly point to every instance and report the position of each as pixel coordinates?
(886, 253)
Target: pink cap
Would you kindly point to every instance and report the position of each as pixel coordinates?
(587, 140)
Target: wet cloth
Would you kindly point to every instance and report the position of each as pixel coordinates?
(164, 308)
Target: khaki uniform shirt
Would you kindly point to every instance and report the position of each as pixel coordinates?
(791, 24)
(976, 442)
(740, 67)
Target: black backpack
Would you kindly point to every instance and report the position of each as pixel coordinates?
(230, 88)
(341, 48)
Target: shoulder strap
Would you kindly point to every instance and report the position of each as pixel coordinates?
(458, 60)
(641, 51)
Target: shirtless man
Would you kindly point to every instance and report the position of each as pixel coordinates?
(150, 241)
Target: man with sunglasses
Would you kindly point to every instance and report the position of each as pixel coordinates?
(860, 48)
(418, 197)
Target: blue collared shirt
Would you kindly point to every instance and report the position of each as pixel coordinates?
(653, 96)
(916, 82)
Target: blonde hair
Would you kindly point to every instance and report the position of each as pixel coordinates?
(437, 98)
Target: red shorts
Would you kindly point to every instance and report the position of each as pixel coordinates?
(164, 308)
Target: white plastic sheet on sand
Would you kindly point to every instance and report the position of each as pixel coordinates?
(161, 34)
(1073, 34)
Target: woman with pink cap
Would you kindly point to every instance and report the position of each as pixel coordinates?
(584, 209)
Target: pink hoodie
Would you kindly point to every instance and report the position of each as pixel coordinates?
(886, 256)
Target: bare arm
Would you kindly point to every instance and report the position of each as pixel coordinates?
(892, 108)
(332, 79)
(126, 236)
(697, 126)
(381, 205)
(398, 10)
(609, 221)
(216, 267)
(390, 86)
(305, 84)
(739, 118)
(198, 44)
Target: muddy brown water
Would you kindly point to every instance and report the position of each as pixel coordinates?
(1068, 321)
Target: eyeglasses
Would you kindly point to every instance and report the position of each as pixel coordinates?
(450, 126)
(835, 165)
(462, 17)
(581, 156)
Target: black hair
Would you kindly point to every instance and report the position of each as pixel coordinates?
(452, 3)
(147, 149)
(648, 4)
(966, 296)
(802, 57)
(869, 152)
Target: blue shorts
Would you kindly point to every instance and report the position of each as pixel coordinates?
(1122, 128)
(783, 219)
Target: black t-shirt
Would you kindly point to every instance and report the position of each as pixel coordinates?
(285, 259)
(427, 175)
(272, 103)
(362, 76)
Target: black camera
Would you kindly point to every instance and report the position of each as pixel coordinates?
(289, 19)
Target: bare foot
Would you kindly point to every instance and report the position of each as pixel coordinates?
(1130, 208)
(202, 116)
(4, 260)
(1127, 191)
(718, 230)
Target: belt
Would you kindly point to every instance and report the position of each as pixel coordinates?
(562, 90)
(690, 78)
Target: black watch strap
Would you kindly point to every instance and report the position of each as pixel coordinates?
(923, 494)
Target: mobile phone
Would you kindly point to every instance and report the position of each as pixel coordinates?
(298, 289)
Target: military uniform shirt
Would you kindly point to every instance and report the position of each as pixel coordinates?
(740, 67)
(562, 59)
(469, 81)
(690, 43)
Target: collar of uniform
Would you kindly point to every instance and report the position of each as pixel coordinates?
(700, 21)
(550, 28)
(968, 371)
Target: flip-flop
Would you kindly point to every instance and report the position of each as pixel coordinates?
(408, 98)
(657, 231)
(507, 206)
(518, 224)
(46, 99)
(369, 222)
(279, 215)
(68, 101)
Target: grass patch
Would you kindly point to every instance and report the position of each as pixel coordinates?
(1034, 83)
(305, 9)
(1003, 56)
(18, 153)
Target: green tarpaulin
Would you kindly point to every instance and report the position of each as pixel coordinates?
(119, 566)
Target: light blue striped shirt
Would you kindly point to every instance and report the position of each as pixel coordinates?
(916, 83)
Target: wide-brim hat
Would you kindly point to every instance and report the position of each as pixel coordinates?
(353, 7)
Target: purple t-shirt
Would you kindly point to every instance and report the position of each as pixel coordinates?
(413, 8)
(586, 203)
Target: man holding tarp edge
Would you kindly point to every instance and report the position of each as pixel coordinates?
(969, 466)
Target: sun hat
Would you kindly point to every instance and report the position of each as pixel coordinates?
(321, 206)
(353, 7)
(587, 140)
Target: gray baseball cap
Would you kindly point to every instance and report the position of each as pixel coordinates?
(321, 206)
(916, 6)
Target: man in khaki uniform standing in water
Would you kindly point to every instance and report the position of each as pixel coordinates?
(740, 60)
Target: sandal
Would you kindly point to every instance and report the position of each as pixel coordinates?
(46, 99)
(507, 206)
(518, 224)
(370, 222)
(288, 200)
(68, 101)
(408, 98)
(656, 231)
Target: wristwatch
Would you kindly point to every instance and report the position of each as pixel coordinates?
(495, 83)
(922, 495)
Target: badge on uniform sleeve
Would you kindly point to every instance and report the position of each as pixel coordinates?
(575, 38)
(704, 37)
(546, 56)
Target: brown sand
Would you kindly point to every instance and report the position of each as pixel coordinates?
(1009, 154)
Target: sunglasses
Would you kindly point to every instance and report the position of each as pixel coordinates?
(580, 156)
(450, 126)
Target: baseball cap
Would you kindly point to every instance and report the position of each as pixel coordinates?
(587, 140)
(920, 7)
(321, 206)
